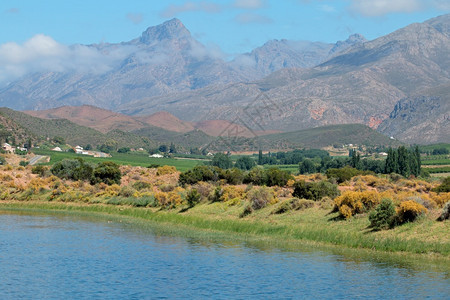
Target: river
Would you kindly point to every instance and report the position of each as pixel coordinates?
(57, 256)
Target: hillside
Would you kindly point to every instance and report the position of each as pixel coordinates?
(90, 116)
(73, 134)
(319, 137)
(421, 119)
(166, 69)
(361, 85)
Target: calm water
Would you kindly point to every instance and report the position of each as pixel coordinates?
(60, 256)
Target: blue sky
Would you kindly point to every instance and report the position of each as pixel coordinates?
(233, 25)
(36, 34)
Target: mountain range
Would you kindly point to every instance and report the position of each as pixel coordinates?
(390, 84)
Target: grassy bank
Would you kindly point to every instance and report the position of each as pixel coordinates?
(312, 226)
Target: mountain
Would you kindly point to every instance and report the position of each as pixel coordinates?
(360, 85)
(282, 85)
(421, 119)
(167, 121)
(90, 116)
(165, 59)
(42, 129)
(281, 54)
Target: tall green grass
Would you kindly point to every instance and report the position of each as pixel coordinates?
(297, 232)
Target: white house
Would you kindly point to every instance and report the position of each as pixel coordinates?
(157, 155)
(8, 148)
(57, 149)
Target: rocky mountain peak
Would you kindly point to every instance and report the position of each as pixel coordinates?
(172, 29)
(354, 39)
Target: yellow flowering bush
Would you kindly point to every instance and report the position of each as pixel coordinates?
(165, 170)
(409, 210)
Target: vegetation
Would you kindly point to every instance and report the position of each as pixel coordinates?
(315, 190)
(383, 215)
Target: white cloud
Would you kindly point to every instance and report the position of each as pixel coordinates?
(382, 7)
(441, 4)
(41, 53)
(247, 18)
(204, 6)
(249, 4)
(136, 18)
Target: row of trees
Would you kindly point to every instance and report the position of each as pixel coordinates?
(403, 161)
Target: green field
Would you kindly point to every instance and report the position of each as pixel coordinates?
(132, 159)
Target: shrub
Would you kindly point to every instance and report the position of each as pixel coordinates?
(107, 172)
(74, 169)
(39, 170)
(233, 176)
(141, 185)
(193, 197)
(315, 191)
(409, 210)
(383, 215)
(166, 187)
(256, 176)
(203, 188)
(222, 161)
(445, 215)
(351, 203)
(344, 174)
(275, 176)
(164, 170)
(23, 163)
(246, 211)
(444, 187)
(245, 163)
(199, 173)
(232, 192)
(127, 191)
(260, 197)
(217, 195)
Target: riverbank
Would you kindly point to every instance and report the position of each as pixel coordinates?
(312, 226)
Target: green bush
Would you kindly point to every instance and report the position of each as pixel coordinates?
(256, 176)
(74, 169)
(344, 174)
(383, 215)
(39, 170)
(245, 163)
(217, 195)
(233, 176)
(275, 176)
(107, 172)
(140, 185)
(193, 197)
(199, 173)
(23, 163)
(444, 187)
(315, 190)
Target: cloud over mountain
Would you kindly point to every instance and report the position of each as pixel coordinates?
(41, 53)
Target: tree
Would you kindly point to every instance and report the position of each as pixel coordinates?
(222, 161)
(307, 167)
(172, 149)
(59, 140)
(163, 148)
(355, 161)
(124, 150)
(107, 172)
(88, 147)
(245, 163)
(260, 157)
(403, 161)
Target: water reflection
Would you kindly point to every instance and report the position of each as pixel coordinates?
(58, 255)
